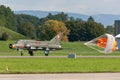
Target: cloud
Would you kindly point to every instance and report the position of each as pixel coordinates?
(76, 6)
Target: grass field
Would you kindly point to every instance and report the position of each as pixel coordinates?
(60, 65)
(13, 35)
(42, 65)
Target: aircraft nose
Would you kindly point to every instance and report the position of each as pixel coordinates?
(10, 46)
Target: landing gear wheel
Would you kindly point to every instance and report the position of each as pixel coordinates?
(46, 52)
(31, 52)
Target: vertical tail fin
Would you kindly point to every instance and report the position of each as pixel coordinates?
(57, 39)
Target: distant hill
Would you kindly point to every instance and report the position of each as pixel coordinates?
(42, 14)
(105, 19)
(12, 34)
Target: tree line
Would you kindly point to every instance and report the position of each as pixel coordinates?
(47, 27)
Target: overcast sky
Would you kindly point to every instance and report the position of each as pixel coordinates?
(73, 6)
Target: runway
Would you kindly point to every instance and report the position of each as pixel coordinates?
(59, 56)
(73, 76)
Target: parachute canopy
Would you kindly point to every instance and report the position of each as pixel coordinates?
(106, 41)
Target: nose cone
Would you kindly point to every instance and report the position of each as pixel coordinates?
(10, 46)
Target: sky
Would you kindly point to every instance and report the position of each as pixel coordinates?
(72, 6)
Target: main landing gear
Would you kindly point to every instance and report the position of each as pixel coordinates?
(46, 51)
(31, 53)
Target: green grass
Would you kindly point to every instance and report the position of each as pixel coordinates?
(13, 35)
(43, 65)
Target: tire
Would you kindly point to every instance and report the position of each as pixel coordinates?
(31, 52)
(46, 52)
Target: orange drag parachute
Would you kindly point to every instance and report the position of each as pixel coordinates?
(106, 41)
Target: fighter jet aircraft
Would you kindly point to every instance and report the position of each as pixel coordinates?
(32, 45)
